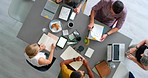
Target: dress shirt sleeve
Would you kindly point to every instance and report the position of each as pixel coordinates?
(121, 19)
(100, 4)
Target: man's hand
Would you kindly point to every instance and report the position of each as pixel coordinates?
(79, 58)
(85, 62)
(104, 36)
(58, 1)
(77, 10)
(90, 26)
(131, 57)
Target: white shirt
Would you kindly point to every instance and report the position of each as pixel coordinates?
(34, 60)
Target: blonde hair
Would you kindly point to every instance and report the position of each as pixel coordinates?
(32, 50)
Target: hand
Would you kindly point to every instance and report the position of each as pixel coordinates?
(42, 46)
(131, 57)
(90, 26)
(132, 50)
(85, 62)
(77, 10)
(58, 1)
(103, 37)
(79, 58)
(52, 47)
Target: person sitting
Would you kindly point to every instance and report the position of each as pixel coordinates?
(37, 58)
(68, 73)
(141, 54)
(76, 4)
(108, 12)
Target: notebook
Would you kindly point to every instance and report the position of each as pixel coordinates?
(49, 9)
(103, 69)
(48, 40)
(65, 13)
(96, 32)
(70, 53)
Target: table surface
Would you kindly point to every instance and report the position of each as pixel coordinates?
(31, 32)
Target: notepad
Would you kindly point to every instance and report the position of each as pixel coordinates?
(64, 13)
(70, 53)
(48, 40)
(96, 32)
(89, 52)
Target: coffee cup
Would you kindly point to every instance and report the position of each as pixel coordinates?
(70, 24)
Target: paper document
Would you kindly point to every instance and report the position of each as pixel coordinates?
(70, 53)
(64, 14)
(48, 40)
(96, 32)
(89, 52)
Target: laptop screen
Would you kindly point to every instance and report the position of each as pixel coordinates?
(116, 52)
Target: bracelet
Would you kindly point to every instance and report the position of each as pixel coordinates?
(136, 47)
(74, 59)
(107, 34)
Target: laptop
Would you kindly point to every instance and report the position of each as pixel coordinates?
(121, 71)
(115, 52)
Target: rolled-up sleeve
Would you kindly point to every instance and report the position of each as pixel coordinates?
(121, 20)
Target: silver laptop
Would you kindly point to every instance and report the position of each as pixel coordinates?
(115, 52)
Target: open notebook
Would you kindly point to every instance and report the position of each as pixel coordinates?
(96, 32)
(70, 53)
(48, 40)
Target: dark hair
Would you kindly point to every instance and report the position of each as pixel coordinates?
(75, 74)
(117, 7)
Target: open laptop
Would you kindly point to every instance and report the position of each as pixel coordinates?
(115, 52)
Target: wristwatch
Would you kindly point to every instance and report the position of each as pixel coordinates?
(74, 59)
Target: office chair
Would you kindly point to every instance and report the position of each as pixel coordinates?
(43, 68)
(19, 9)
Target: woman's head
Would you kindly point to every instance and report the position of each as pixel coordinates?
(144, 58)
(117, 7)
(32, 50)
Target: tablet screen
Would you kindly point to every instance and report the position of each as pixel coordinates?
(62, 41)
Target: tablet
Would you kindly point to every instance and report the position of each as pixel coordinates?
(61, 42)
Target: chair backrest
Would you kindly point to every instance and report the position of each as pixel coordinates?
(43, 68)
(19, 9)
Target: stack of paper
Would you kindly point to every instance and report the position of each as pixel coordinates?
(96, 32)
(70, 53)
(89, 52)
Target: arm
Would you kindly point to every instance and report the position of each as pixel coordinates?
(66, 62)
(131, 57)
(77, 9)
(113, 30)
(91, 23)
(43, 61)
(90, 73)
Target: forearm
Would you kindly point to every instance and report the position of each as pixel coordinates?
(51, 55)
(113, 30)
(138, 63)
(142, 43)
(90, 73)
(92, 15)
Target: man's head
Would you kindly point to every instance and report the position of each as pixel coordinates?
(144, 58)
(77, 74)
(117, 7)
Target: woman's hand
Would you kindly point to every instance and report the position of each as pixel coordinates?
(77, 10)
(42, 47)
(131, 57)
(52, 47)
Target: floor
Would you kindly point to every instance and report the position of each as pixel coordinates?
(11, 55)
